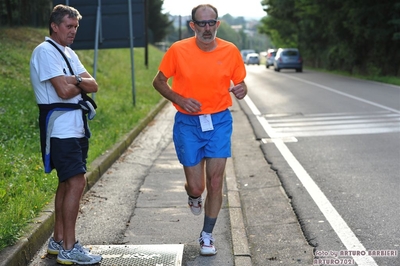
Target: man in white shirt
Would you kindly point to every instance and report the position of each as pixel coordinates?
(59, 88)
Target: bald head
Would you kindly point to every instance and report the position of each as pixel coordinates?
(204, 7)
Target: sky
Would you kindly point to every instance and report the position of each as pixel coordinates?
(236, 8)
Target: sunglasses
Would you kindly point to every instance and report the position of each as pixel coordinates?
(204, 22)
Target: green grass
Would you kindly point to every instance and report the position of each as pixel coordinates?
(24, 188)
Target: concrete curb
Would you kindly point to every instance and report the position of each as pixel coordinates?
(41, 228)
(240, 244)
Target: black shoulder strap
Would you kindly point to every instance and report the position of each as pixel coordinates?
(65, 58)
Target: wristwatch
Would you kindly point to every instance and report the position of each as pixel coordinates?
(78, 80)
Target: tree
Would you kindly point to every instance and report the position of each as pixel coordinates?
(25, 12)
(281, 22)
(227, 33)
(358, 36)
(158, 23)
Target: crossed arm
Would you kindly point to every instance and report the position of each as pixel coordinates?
(66, 85)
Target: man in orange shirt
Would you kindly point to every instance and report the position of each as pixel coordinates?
(203, 68)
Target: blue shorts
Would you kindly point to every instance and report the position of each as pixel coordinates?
(192, 144)
(69, 156)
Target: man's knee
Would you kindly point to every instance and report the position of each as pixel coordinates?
(194, 190)
(76, 182)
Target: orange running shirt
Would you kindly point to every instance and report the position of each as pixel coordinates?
(204, 76)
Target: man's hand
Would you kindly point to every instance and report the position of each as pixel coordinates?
(160, 83)
(239, 90)
(190, 105)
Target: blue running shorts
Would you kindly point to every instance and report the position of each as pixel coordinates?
(69, 156)
(192, 144)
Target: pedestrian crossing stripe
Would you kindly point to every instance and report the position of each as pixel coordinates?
(299, 125)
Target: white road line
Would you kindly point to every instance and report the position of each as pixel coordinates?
(339, 132)
(340, 226)
(318, 117)
(345, 94)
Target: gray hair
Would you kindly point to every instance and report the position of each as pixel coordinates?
(59, 12)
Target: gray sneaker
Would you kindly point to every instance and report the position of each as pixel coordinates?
(196, 205)
(54, 247)
(84, 250)
(78, 255)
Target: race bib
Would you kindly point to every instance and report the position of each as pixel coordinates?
(206, 123)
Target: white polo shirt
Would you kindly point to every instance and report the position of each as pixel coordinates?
(46, 63)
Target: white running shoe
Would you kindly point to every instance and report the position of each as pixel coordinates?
(207, 247)
(196, 205)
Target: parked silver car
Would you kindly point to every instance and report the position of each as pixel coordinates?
(252, 59)
(288, 58)
(245, 52)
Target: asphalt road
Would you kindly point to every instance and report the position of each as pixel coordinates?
(335, 143)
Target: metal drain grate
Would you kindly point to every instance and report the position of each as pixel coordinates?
(140, 255)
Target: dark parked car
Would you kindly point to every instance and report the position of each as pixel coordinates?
(270, 58)
(288, 58)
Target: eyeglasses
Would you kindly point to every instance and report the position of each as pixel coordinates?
(204, 22)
